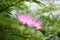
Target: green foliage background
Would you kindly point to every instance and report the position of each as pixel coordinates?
(10, 29)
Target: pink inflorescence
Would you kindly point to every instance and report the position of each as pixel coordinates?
(29, 20)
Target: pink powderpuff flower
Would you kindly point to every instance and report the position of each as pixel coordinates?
(28, 19)
(38, 24)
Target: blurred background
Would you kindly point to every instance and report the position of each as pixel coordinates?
(48, 11)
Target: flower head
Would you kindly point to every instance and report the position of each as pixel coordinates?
(29, 20)
(25, 19)
(38, 24)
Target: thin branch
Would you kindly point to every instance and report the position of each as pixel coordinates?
(10, 6)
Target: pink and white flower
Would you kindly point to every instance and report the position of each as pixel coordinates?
(29, 20)
(38, 24)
